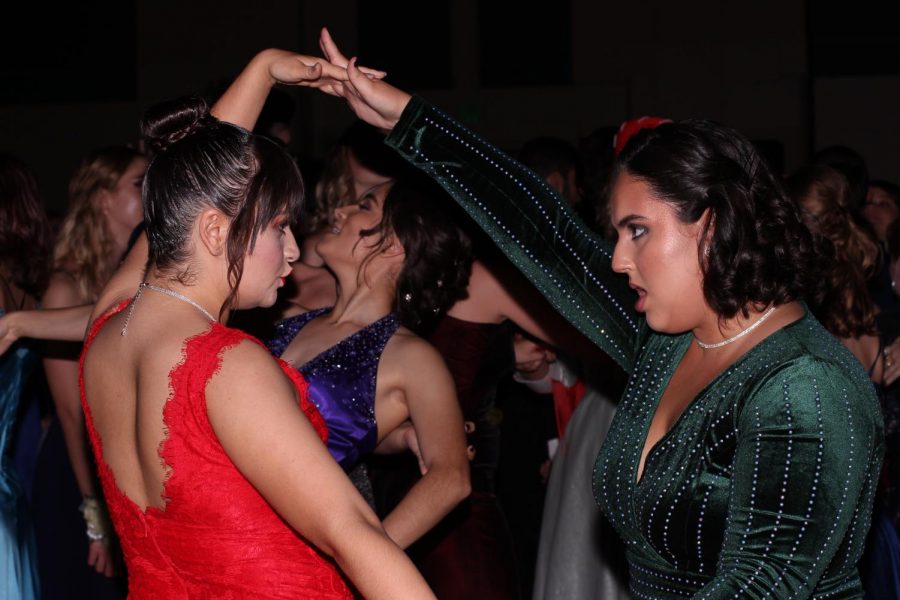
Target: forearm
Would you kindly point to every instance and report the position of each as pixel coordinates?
(396, 441)
(426, 503)
(243, 100)
(536, 229)
(377, 567)
(61, 324)
(62, 377)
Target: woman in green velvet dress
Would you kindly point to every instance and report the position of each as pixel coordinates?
(744, 452)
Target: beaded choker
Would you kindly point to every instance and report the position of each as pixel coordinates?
(739, 334)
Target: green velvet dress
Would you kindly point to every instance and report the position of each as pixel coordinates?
(763, 487)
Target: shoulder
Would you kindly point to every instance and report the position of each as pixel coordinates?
(813, 382)
(406, 345)
(62, 290)
(412, 359)
(246, 370)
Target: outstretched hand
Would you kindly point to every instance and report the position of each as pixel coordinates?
(374, 101)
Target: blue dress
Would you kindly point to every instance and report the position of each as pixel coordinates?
(18, 575)
(342, 382)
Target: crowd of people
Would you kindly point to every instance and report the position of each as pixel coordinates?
(649, 367)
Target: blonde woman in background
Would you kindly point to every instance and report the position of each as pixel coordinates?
(104, 209)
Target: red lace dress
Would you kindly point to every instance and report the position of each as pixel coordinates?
(217, 537)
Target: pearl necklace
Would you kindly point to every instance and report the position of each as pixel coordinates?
(739, 334)
(168, 292)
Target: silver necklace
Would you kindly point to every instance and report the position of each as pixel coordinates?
(167, 292)
(739, 334)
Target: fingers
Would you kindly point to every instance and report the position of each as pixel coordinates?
(355, 78)
(330, 49)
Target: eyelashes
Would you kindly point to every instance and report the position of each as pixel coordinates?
(637, 231)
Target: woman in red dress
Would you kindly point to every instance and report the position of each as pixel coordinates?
(217, 484)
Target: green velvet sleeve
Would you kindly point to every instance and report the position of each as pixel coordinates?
(567, 262)
(809, 442)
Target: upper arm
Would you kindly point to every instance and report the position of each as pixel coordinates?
(60, 358)
(806, 461)
(254, 412)
(430, 396)
(243, 101)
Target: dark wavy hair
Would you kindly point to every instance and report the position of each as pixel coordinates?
(438, 254)
(758, 252)
(203, 162)
(848, 253)
(25, 240)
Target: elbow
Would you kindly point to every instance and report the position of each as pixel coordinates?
(457, 485)
(463, 487)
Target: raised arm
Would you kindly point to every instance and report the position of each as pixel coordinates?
(244, 99)
(536, 229)
(253, 410)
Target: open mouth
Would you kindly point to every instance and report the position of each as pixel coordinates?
(642, 297)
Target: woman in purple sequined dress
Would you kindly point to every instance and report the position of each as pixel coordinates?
(398, 264)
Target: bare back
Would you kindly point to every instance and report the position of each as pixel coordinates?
(126, 382)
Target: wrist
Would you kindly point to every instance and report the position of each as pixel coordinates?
(14, 325)
(97, 526)
(261, 64)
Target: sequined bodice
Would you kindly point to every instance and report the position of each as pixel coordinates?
(763, 487)
(342, 382)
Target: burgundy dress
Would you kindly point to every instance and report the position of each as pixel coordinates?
(469, 553)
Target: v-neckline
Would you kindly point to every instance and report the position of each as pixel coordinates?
(341, 342)
(685, 341)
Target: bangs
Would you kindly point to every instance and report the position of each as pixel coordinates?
(277, 188)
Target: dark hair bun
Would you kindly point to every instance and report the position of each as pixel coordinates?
(167, 122)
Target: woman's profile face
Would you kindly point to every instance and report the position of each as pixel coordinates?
(268, 264)
(123, 208)
(344, 242)
(659, 254)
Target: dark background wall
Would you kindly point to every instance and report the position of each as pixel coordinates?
(792, 72)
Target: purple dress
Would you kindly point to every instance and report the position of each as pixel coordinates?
(342, 382)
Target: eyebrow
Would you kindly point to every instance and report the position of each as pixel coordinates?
(626, 220)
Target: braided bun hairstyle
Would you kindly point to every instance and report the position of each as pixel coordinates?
(201, 163)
